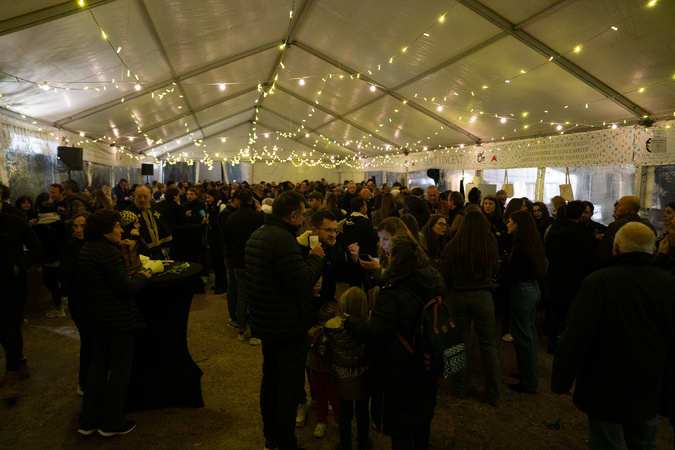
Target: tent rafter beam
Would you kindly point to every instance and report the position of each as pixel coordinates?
(341, 118)
(310, 130)
(45, 15)
(535, 44)
(161, 85)
(386, 90)
(215, 122)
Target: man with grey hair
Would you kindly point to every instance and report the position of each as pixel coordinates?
(626, 212)
(502, 196)
(619, 338)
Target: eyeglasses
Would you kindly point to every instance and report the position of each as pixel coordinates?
(442, 224)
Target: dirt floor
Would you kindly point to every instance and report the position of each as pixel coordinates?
(46, 415)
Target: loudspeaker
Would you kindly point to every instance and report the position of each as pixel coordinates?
(70, 157)
(147, 169)
(434, 174)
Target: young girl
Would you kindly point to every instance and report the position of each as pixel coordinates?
(319, 373)
(349, 367)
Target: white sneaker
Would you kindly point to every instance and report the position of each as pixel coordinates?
(232, 324)
(300, 418)
(507, 338)
(56, 313)
(320, 430)
(255, 341)
(243, 335)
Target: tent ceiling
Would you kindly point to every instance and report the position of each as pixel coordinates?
(361, 94)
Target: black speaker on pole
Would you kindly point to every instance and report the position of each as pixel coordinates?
(434, 174)
(147, 169)
(70, 158)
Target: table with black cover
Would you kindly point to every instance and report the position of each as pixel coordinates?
(163, 373)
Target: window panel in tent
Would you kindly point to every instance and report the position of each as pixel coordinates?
(450, 179)
(237, 173)
(664, 193)
(602, 185)
(524, 180)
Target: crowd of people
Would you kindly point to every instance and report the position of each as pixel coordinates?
(279, 251)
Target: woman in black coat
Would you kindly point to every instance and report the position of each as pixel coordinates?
(108, 315)
(409, 398)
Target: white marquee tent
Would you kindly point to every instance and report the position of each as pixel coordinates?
(336, 86)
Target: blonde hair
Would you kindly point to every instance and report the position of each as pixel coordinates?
(353, 302)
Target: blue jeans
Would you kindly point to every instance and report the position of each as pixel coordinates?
(242, 301)
(525, 296)
(107, 381)
(604, 435)
(283, 377)
(479, 307)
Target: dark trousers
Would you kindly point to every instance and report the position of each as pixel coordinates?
(218, 265)
(283, 376)
(12, 303)
(418, 441)
(50, 278)
(107, 381)
(347, 409)
(85, 339)
(607, 435)
(232, 291)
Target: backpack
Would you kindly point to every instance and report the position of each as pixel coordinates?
(436, 344)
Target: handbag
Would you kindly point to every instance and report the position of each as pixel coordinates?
(566, 189)
(131, 256)
(507, 187)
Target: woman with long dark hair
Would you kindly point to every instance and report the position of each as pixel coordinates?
(386, 230)
(435, 238)
(387, 209)
(526, 264)
(468, 263)
(515, 204)
(331, 204)
(541, 218)
(25, 205)
(409, 401)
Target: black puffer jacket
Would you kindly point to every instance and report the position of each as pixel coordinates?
(279, 281)
(409, 401)
(358, 228)
(106, 289)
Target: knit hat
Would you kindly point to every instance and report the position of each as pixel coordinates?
(127, 218)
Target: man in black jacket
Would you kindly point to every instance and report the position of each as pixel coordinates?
(570, 257)
(618, 340)
(154, 231)
(238, 229)
(15, 233)
(279, 283)
(358, 228)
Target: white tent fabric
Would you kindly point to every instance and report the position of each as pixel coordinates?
(332, 80)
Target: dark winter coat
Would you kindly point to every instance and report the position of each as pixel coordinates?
(570, 259)
(409, 401)
(238, 229)
(620, 329)
(604, 248)
(279, 281)
(358, 228)
(106, 290)
(14, 234)
(349, 363)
